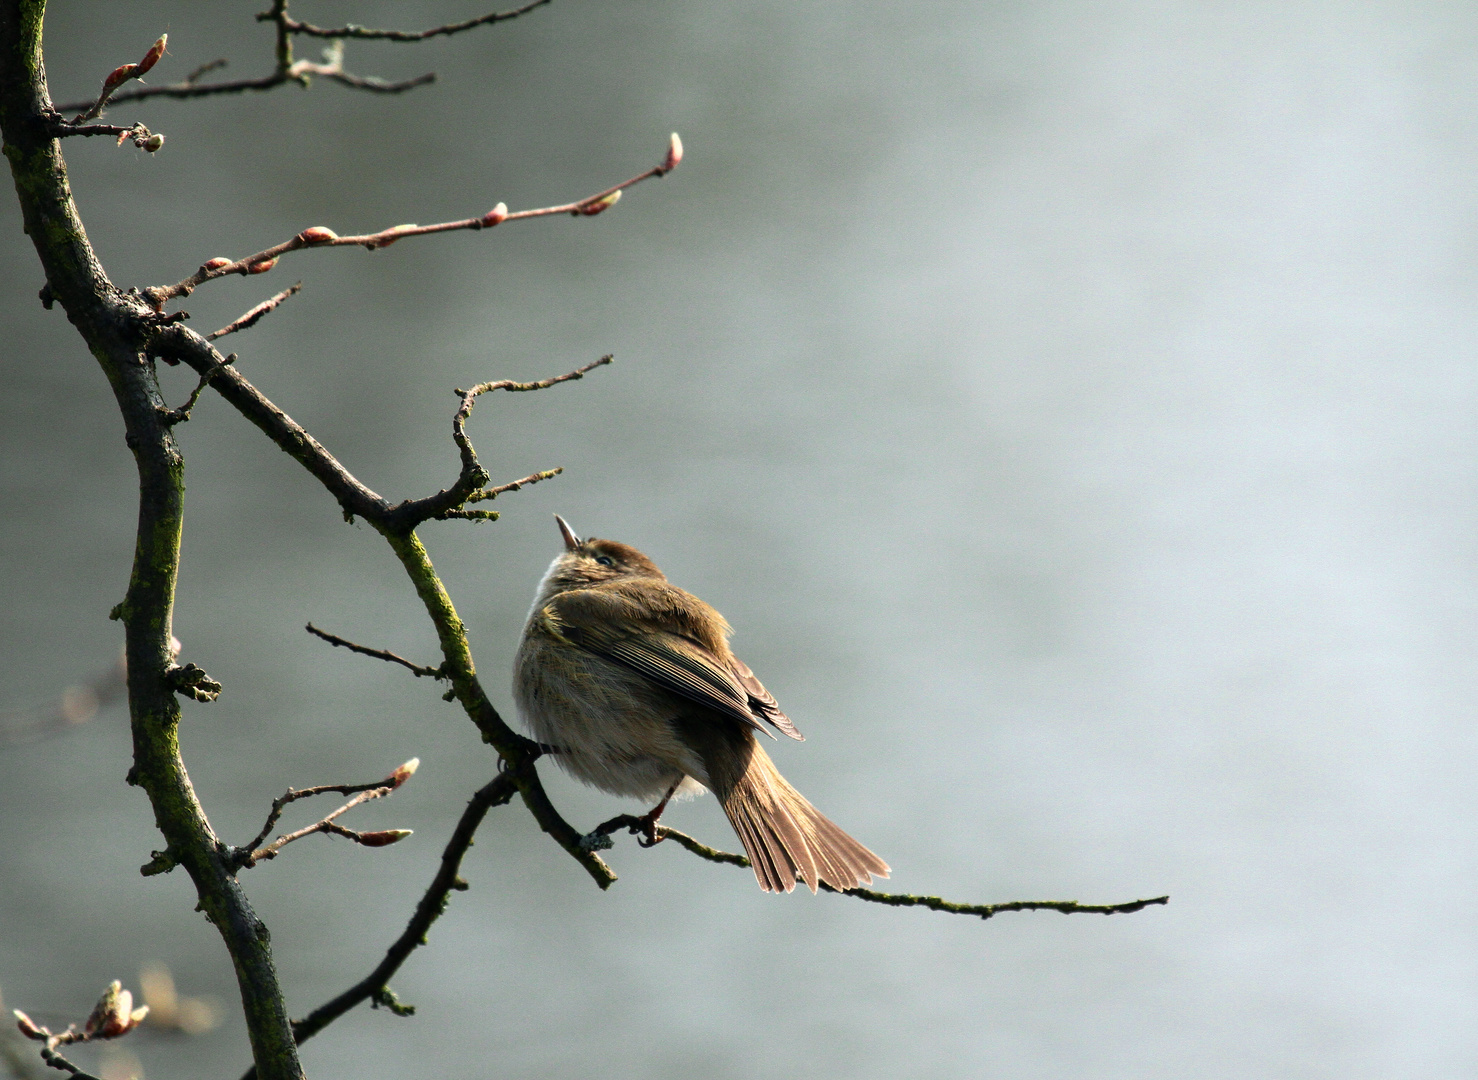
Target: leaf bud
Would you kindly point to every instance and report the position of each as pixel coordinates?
(153, 143)
(405, 772)
(384, 837)
(27, 1026)
(152, 56)
(119, 75)
(215, 264)
(674, 153)
(495, 216)
(599, 206)
(261, 267)
(318, 234)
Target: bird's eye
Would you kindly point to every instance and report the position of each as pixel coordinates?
(605, 560)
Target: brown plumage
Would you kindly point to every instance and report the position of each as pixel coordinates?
(631, 679)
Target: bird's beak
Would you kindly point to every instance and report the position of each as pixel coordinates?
(571, 540)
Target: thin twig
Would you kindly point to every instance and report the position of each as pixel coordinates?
(57, 1061)
(120, 75)
(382, 654)
(251, 318)
(432, 904)
(533, 478)
(320, 237)
(365, 34)
(250, 854)
(637, 825)
(205, 69)
(180, 415)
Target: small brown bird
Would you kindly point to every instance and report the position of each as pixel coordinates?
(630, 680)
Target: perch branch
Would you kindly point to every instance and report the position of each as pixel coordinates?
(636, 826)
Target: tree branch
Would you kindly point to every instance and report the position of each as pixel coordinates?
(637, 826)
(113, 323)
(319, 236)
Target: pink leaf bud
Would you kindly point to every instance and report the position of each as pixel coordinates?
(215, 264)
(405, 772)
(384, 837)
(261, 267)
(27, 1026)
(600, 206)
(153, 143)
(152, 56)
(393, 234)
(103, 1012)
(495, 216)
(318, 234)
(118, 76)
(674, 153)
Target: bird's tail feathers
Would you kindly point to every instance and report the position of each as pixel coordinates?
(786, 838)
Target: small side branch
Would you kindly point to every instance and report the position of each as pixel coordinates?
(381, 654)
(249, 854)
(319, 236)
(180, 415)
(599, 838)
(293, 26)
(449, 503)
(254, 316)
(432, 904)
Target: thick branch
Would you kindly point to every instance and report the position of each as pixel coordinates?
(113, 324)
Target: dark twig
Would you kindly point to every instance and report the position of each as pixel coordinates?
(180, 415)
(252, 317)
(205, 69)
(343, 643)
(318, 236)
(365, 34)
(249, 854)
(637, 826)
(450, 502)
(55, 1059)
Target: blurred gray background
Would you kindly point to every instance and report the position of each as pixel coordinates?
(1071, 405)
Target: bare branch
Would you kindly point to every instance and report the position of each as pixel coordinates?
(533, 478)
(365, 34)
(319, 237)
(250, 854)
(180, 415)
(637, 826)
(252, 317)
(333, 639)
(449, 503)
(432, 904)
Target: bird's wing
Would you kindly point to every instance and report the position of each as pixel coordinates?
(762, 701)
(607, 624)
